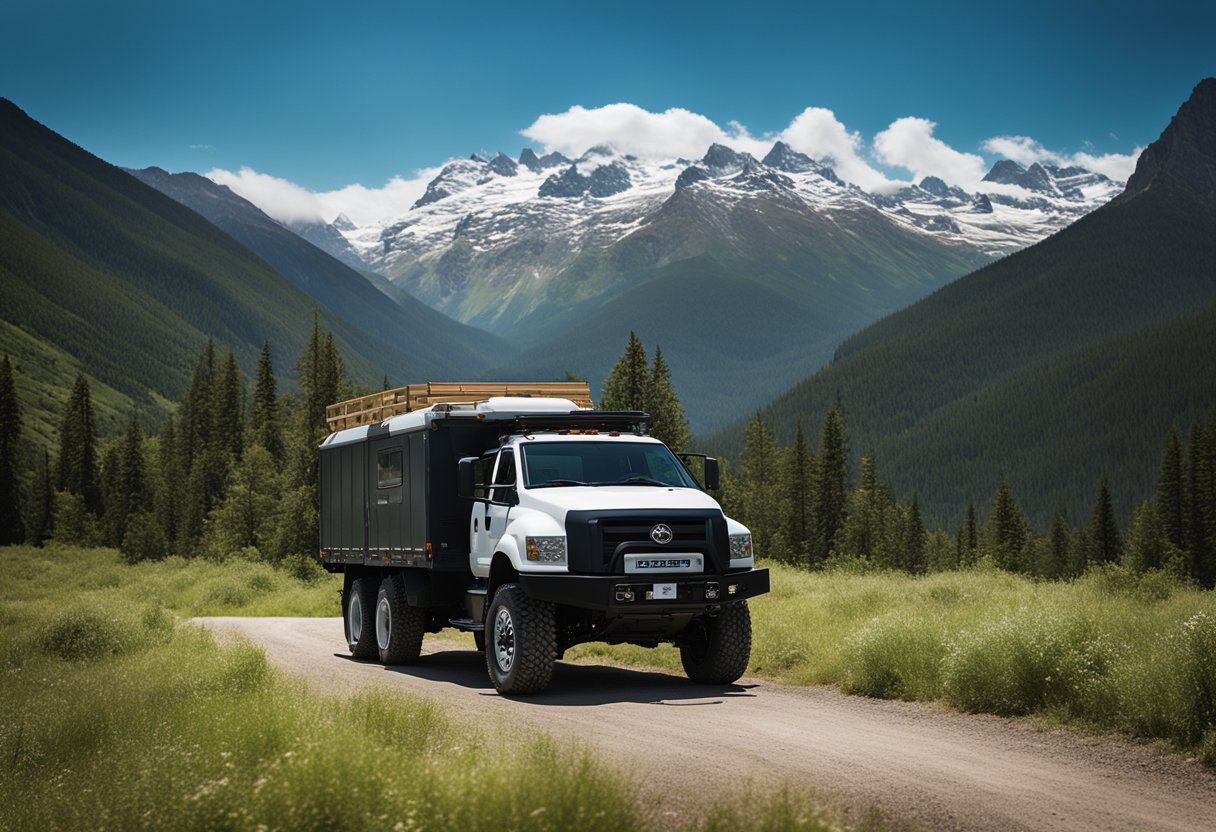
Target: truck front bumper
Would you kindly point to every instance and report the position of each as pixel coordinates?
(656, 595)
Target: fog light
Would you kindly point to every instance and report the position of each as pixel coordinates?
(624, 595)
(732, 589)
(711, 591)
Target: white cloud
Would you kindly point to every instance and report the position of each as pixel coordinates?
(281, 199)
(629, 128)
(1026, 151)
(819, 134)
(680, 133)
(1118, 166)
(909, 143)
(286, 201)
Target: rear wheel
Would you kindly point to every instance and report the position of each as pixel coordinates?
(399, 627)
(715, 650)
(357, 618)
(521, 641)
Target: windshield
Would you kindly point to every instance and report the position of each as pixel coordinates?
(551, 464)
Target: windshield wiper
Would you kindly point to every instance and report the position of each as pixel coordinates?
(557, 483)
(643, 481)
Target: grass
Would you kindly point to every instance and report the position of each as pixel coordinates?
(1109, 652)
(185, 587)
(116, 715)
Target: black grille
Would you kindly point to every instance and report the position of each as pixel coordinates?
(634, 535)
(597, 541)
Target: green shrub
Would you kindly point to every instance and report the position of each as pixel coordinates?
(1024, 663)
(144, 539)
(83, 633)
(897, 657)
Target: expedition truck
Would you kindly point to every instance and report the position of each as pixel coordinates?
(533, 524)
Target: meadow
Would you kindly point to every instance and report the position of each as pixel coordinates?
(1110, 651)
(115, 714)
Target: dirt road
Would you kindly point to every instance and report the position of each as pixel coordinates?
(686, 743)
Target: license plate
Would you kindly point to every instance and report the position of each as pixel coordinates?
(664, 592)
(656, 564)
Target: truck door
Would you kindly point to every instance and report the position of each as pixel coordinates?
(494, 477)
(388, 508)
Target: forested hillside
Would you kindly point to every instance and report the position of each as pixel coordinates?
(1056, 365)
(131, 284)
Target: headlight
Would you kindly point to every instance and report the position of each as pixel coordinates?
(740, 546)
(546, 549)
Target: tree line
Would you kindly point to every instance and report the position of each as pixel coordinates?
(234, 471)
(803, 509)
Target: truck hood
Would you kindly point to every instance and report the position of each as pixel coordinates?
(557, 501)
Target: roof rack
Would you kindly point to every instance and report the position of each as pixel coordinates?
(385, 404)
(625, 421)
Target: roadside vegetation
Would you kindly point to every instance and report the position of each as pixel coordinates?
(115, 715)
(1111, 651)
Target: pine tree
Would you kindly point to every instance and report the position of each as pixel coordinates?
(321, 371)
(625, 386)
(247, 515)
(333, 375)
(969, 536)
(170, 483)
(1008, 528)
(830, 488)
(198, 410)
(42, 503)
(915, 536)
(264, 420)
(12, 530)
(1105, 544)
(761, 488)
(866, 531)
(799, 477)
(1201, 504)
(78, 472)
(1171, 510)
(127, 487)
(1063, 563)
(229, 410)
(1146, 543)
(667, 422)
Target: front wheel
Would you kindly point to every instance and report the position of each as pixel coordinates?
(521, 641)
(715, 650)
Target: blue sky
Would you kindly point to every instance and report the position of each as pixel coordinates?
(329, 94)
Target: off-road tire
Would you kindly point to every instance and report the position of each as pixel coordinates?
(715, 649)
(362, 644)
(398, 626)
(533, 641)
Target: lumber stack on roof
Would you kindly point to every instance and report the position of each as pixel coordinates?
(377, 407)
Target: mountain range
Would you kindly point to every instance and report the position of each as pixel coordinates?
(1056, 365)
(748, 272)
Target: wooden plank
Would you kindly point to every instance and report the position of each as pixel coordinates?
(376, 407)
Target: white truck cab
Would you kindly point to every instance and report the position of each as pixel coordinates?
(577, 527)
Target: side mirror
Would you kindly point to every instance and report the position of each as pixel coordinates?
(464, 477)
(712, 477)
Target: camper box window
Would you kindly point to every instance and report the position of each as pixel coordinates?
(388, 468)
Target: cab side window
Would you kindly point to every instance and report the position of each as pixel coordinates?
(504, 478)
(482, 469)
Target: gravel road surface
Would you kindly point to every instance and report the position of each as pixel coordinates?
(688, 744)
